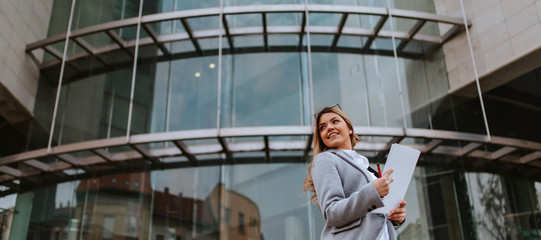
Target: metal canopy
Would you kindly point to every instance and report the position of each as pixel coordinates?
(118, 51)
(286, 144)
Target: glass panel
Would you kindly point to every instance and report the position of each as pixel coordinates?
(249, 157)
(362, 21)
(350, 2)
(178, 5)
(210, 43)
(400, 24)
(51, 212)
(283, 40)
(60, 15)
(351, 41)
(504, 206)
(418, 48)
(317, 40)
(244, 20)
(129, 33)
(416, 5)
(287, 138)
(92, 108)
(431, 28)
(324, 19)
(180, 47)
(74, 48)
(187, 203)
(176, 95)
(43, 112)
(259, 2)
(442, 203)
(204, 23)
(383, 45)
(181, 159)
(376, 139)
(284, 19)
(168, 27)
(261, 90)
(243, 139)
(425, 90)
(287, 156)
(48, 78)
(92, 12)
(256, 214)
(363, 86)
(97, 40)
(248, 41)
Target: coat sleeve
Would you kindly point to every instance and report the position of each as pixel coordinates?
(337, 208)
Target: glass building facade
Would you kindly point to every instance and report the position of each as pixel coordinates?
(192, 120)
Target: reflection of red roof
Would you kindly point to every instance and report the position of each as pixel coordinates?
(165, 204)
(182, 208)
(126, 182)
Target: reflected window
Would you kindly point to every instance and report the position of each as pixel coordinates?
(253, 227)
(108, 227)
(132, 226)
(241, 223)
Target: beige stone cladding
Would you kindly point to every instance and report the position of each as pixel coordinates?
(505, 39)
(21, 22)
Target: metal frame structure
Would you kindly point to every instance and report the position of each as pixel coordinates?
(93, 60)
(213, 147)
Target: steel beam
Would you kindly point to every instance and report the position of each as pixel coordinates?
(339, 31)
(154, 37)
(186, 152)
(190, 33)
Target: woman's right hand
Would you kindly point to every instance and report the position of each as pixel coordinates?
(382, 183)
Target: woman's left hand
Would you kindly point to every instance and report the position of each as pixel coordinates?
(398, 215)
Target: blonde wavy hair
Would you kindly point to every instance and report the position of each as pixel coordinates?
(318, 146)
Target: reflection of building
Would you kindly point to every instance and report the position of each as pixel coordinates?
(413, 231)
(111, 207)
(6, 218)
(177, 216)
(242, 218)
(222, 91)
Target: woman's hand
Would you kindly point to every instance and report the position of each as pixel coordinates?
(382, 184)
(398, 215)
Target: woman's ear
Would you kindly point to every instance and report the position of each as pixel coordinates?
(350, 132)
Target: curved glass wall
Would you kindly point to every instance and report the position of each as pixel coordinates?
(212, 88)
(254, 89)
(264, 202)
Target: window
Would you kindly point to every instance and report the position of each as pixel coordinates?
(108, 227)
(241, 223)
(252, 227)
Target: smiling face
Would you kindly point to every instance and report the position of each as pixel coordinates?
(334, 131)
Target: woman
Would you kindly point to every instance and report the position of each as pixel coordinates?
(344, 186)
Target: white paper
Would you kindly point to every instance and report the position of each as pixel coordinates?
(402, 160)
